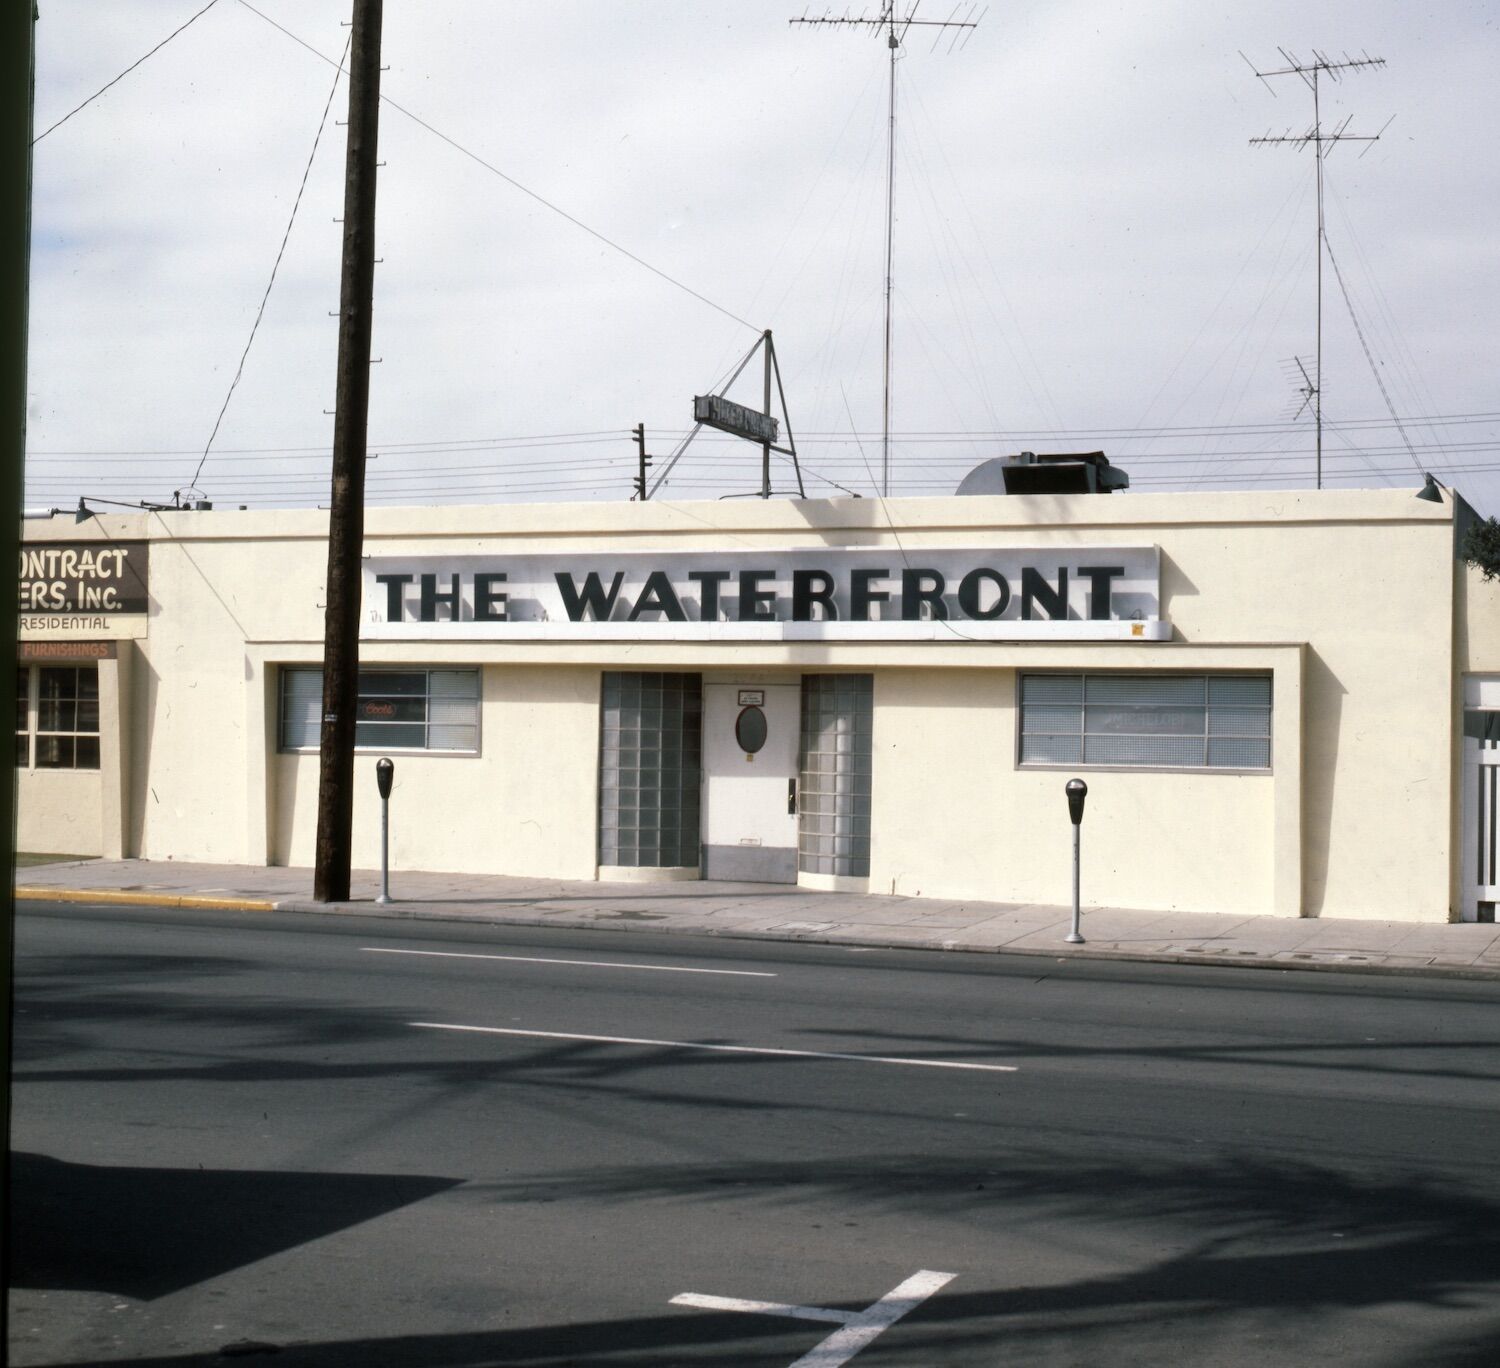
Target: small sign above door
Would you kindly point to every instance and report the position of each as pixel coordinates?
(752, 698)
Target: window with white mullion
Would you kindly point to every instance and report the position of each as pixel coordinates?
(1146, 720)
(63, 718)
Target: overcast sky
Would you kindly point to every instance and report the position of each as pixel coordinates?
(1088, 252)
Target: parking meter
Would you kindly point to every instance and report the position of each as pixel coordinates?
(385, 772)
(1077, 791)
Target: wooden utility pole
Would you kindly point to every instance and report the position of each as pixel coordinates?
(643, 461)
(346, 516)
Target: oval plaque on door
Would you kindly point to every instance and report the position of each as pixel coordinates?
(750, 730)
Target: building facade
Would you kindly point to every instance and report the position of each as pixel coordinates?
(1281, 701)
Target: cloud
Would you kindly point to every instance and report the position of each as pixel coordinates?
(1084, 238)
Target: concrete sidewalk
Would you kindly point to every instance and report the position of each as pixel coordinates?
(781, 912)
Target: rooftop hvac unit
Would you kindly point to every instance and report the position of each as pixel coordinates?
(1073, 472)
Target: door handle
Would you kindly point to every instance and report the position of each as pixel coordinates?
(791, 797)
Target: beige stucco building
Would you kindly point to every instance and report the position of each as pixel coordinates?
(1280, 700)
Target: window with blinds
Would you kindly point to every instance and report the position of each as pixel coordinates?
(410, 709)
(1148, 721)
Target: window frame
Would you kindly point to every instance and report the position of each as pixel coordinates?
(836, 774)
(24, 748)
(287, 670)
(642, 815)
(1110, 767)
(32, 734)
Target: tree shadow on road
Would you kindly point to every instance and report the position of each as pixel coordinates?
(146, 1232)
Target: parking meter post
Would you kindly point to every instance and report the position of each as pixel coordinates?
(1077, 791)
(384, 772)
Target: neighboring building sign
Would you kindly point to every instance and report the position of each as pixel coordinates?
(716, 411)
(87, 589)
(30, 652)
(831, 593)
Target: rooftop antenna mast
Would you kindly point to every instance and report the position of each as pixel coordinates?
(895, 26)
(1320, 142)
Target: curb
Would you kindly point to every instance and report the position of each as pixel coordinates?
(417, 912)
(122, 898)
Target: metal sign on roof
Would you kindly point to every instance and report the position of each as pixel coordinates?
(715, 411)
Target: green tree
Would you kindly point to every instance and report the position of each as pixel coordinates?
(1481, 546)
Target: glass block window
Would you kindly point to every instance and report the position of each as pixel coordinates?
(833, 808)
(23, 717)
(650, 769)
(398, 709)
(66, 735)
(1150, 721)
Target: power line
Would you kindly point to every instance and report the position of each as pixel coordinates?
(1374, 369)
(275, 266)
(125, 73)
(438, 446)
(512, 181)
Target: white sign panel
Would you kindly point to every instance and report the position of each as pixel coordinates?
(1076, 593)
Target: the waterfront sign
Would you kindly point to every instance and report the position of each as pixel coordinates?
(826, 593)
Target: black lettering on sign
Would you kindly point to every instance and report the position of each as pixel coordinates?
(659, 597)
(968, 594)
(1099, 576)
(431, 598)
(591, 598)
(1036, 591)
(812, 588)
(919, 587)
(757, 604)
(393, 585)
(489, 606)
(709, 582)
(862, 593)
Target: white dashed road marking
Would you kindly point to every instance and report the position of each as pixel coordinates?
(856, 1328)
(589, 964)
(719, 1049)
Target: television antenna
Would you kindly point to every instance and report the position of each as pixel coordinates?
(1296, 374)
(1321, 143)
(895, 26)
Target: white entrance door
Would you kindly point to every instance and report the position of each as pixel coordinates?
(750, 734)
(1480, 872)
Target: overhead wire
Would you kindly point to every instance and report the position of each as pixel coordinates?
(1400, 351)
(947, 254)
(40, 458)
(505, 487)
(1369, 356)
(934, 478)
(1031, 372)
(1298, 192)
(1246, 333)
(513, 182)
(125, 73)
(260, 313)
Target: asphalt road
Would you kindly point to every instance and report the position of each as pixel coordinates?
(237, 1133)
